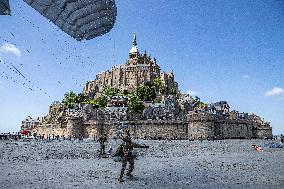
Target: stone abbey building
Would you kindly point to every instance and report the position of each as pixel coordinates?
(138, 69)
(175, 117)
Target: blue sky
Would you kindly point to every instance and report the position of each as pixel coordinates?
(219, 50)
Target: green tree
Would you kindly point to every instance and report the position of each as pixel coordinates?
(99, 102)
(70, 99)
(173, 91)
(82, 98)
(159, 84)
(198, 103)
(146, 92)
(135, 104)
(111, 91)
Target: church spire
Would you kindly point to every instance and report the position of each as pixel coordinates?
(134, 43)
(134, 49)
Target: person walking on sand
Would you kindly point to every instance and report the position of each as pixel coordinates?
(125, 151)
(102, 140)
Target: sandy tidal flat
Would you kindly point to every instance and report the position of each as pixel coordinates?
(176, 164)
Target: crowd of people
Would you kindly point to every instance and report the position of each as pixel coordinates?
(19, 135)
(56, 137)
(10, 136)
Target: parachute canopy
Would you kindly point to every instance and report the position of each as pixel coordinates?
(4, 7)
(81, 19)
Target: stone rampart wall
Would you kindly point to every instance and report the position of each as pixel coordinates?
(263, 133)
(196, 127)
(233, 129)
(50, 129)
(139, 129)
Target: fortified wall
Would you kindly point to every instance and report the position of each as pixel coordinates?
(196, 126)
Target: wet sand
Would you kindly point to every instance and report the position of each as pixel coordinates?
(176, 164)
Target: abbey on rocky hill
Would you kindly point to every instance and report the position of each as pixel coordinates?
(139, 97)
(138, 69)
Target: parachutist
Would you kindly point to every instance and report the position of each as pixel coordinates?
(125, 152)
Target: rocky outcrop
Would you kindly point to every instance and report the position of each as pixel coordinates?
(57, 115)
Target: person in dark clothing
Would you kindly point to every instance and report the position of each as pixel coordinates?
(35, 135)
(102, 140)
(125, 151)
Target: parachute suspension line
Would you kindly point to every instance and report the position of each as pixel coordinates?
(88, 65)
(80, 60)
(14, 69)
(23, 16)
(18, 71)
(31, 86)
(114, 52)
(59, 62)
(93, 67)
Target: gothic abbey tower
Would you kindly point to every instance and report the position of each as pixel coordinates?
(138, 69)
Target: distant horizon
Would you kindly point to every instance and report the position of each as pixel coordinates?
(231, 51)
